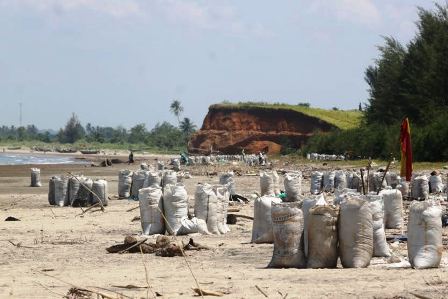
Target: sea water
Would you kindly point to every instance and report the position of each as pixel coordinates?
(21, 159)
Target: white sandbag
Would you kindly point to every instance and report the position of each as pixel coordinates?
(436, 184)
(268, 183)
(151, 209)
(328, 185)
(176, 164)
(307, 204)
(341, 195)
(99, 188)
(144, 166)
(262, 223)
(317, 178)
(322, 237)
(175, 204)
(191, 226)
(394, 180)
(376, 182)
(227, 179)
(380, 246)
(138, 180)
(420, 187)
(84, 194)
(204, 198)
(287, 227)
(73, 188)
(355, 229)
(393, 208)
(355, 182)
(160, 165)
(340, 180)
(425, 235)
(153, 179)
(51, 190)
(222, 196)
(35, 177)
(169, 178)
(293, 186)
(403, 186)
(61, 191)
(124, 183)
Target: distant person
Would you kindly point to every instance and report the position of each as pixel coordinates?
(131, 158)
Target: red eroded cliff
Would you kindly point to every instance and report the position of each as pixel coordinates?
(230, 129)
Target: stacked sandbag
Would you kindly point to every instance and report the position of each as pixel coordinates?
(322, 237)
(222, 195)
(268, 183)
(83, 196)
(403, 186)
(293, 186)
(138, 181)
(317, 178)
(328, 182)
(393, 180)
(262, 224)
(425, 235)
(51, 191)
(61, 191)
(99, 192)
(124, 183)
(393, 208)
(435, 183)
(340, 180)
(287, 227)
(175, 203)
(226, 179)
(355, 182)
(355, 232)
(380, 246)
(342, 195)
(307, 204)
(376, 182)
(206, 207)
(73, 188)
(169, 178)
(420, 187)
(153, 179)
(151, 209)
(35, 177)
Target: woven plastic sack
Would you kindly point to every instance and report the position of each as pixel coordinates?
(99, 190)
(323, 237)
(393, 208)
(61, 191)
(293, 186)
(268, 182)
(169, 178)
(317, 178)
(51, 195)
(35, 177)
(151, 209)
(262, 224)
(287, 226)
(420, 187)
(153, 179)
(328, 185)
(222, 196)
(175, 204)
(425, 235)
(124, 183)
(226, 179)
(307, 204)
(436, 184)
(340, 180)
(380, 246)
(138, 180)
(205, 207)
(355, 233)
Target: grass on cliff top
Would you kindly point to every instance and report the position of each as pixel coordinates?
(343, 119)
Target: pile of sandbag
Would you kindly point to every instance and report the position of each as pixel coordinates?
(269, 183)
(35, 177)
(77, 191)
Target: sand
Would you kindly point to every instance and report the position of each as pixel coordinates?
(60, 249)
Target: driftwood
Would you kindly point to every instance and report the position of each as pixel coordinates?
(202, 292)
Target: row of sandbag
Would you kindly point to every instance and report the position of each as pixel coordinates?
(423, 185)
(325, 157)
(270, 184)
(130, 182)
(77, 191)
(353, 230)
(167, 210)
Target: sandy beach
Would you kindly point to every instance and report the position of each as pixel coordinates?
(56, 249)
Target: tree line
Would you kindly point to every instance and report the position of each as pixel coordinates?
(163, 136)
(405, 81)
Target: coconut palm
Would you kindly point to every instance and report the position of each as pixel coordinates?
(177, 109)
(187, 127)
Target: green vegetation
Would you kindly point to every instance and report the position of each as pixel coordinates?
(339, 118)
(163, 138)
(405, 81)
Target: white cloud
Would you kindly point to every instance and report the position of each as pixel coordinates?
(200, 15)
(358, 11)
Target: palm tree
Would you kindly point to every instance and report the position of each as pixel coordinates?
(177, 109)
(187, 127)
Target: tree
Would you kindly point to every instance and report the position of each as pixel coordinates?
(177, 109)
(187, 127)
(72, 132)
(138, 134)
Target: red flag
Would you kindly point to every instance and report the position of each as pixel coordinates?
(406, 150)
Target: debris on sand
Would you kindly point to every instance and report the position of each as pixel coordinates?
(11, 218)
(164, 246)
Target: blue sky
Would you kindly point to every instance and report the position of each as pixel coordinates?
(121, 62)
